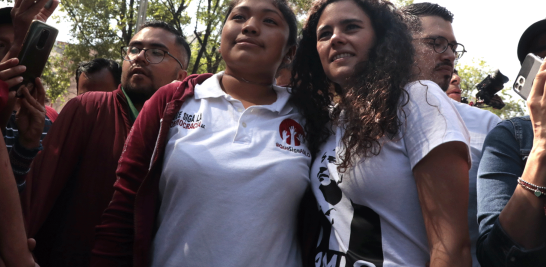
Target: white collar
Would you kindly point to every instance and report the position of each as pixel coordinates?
(211, 88)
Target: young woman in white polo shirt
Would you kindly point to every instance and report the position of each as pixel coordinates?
(391, 155)
(229, 166)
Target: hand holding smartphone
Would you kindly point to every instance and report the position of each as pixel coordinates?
(526, 75)
(38, 43)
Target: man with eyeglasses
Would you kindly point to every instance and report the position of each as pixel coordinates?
(71, 181)
(436, 50)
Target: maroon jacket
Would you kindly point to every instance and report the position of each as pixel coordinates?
(51, 113)
(125, 235)
(70, 183)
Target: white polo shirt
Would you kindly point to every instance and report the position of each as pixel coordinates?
(232, 182)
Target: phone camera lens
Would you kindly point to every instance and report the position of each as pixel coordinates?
(44, 35)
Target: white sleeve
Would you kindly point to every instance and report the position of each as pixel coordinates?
(430, 120)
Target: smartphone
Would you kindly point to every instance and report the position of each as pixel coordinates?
(526, 75)
(38, 43)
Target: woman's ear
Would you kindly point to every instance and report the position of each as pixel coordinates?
(289, 57)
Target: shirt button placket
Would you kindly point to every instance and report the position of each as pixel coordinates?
(242, 134)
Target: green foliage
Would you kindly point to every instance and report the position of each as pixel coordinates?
(170, 11)
(401, 3)
(112, 24)
(56, 76)
(473, 74)
(207, 32)
(300, 7)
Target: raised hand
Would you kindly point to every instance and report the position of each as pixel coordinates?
(285, 136)
(496, 101)
(522, 218)
(22, 14)
(10, 72)
(293, 134)
(300, 138)
(30, 118)
(45, 13)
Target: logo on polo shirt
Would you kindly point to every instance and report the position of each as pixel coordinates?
(291, 132)
(293, 136)
(188, 121)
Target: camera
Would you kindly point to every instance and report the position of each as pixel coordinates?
(489, 87)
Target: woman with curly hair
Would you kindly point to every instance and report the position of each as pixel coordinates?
(390, 154)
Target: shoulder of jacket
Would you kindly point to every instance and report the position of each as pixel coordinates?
(96, 98)
(180, 89)
(517, 122)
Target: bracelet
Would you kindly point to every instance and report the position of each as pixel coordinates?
(532, 185)
(537, 190)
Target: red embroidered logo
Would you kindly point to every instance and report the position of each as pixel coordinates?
(291, 132)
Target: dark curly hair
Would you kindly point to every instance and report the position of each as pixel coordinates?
(372, 102)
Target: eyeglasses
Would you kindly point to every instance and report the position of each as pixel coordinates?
(440, 45)
(152, 55)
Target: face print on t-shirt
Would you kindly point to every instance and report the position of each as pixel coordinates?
(328, 187)
(351, 233)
